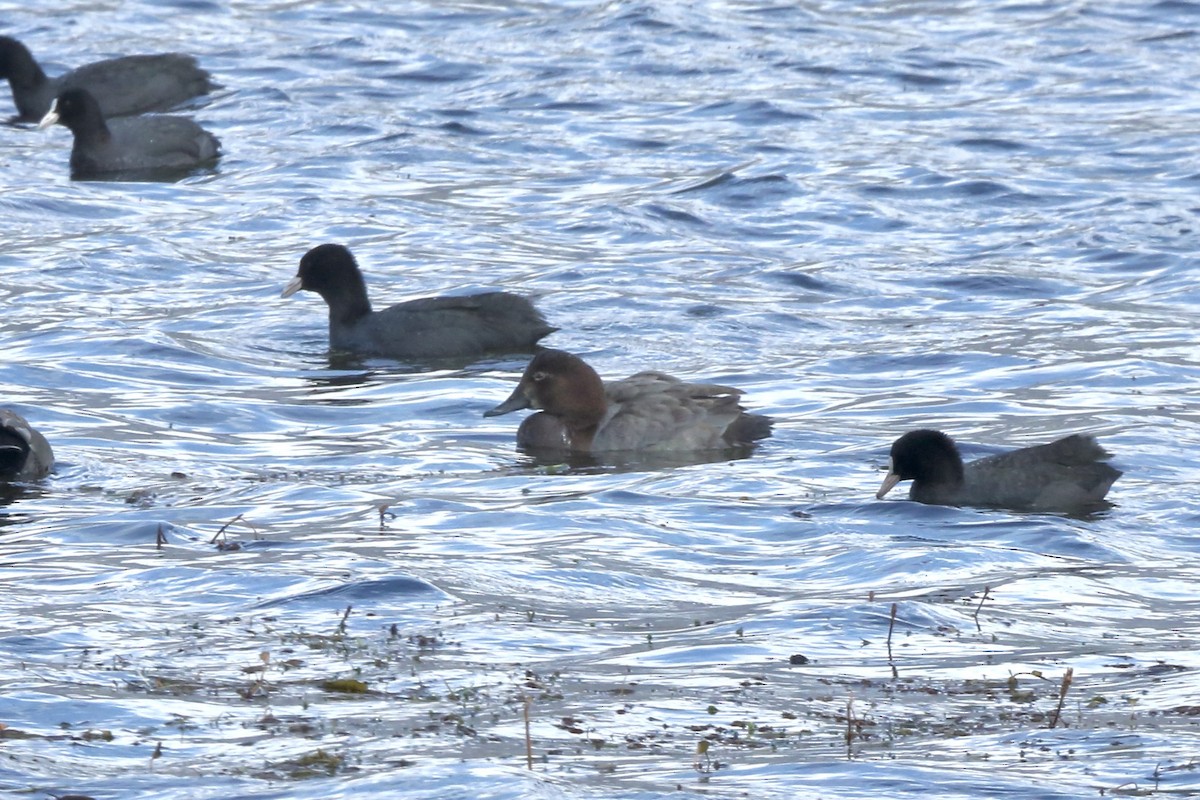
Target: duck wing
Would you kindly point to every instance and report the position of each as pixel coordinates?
(655, 411)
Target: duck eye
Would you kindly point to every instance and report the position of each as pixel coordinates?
(539, 376)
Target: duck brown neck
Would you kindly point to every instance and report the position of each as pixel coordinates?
(581, 432)
(581, 415)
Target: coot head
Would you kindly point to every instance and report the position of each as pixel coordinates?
(326, 269)
(928, 457)
(77, 110)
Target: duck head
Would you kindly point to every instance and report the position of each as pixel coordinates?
(562, 385)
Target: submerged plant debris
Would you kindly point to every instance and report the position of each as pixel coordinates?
(420, 697)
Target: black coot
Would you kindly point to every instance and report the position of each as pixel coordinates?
(429, 328)
(1068, 475)
(121, 86)
(128, 144)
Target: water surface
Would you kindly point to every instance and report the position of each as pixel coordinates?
(976, 216)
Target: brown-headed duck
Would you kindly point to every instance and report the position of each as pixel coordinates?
(25, 455)
(121, 86)
(648, 411)
(128, 144)
(1067, 475)
(429, 328)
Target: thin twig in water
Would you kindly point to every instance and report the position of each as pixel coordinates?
(1068, 676)
(979, 607)
(161, 539)
(528, 736)
(891, 627)
(221, 532)
(341, 628)
(385, 515)
(849, 725)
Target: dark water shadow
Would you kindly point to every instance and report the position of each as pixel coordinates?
(342, 380)
(1093, 512)
(149, 175)
(13, 492)
(553, 460)
(363, 592)
(346, 360)
(348, 369)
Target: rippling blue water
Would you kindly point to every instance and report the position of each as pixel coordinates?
(973, 215)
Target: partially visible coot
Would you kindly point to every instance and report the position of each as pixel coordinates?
(428, 328)
(25, 454)
(1067, 475)
(157, 143)
(121, 86)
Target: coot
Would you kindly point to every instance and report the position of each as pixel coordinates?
(428, 328)
(1068, 475)
(121, 86)
(128, 144)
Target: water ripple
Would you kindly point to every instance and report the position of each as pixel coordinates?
(979, 217)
